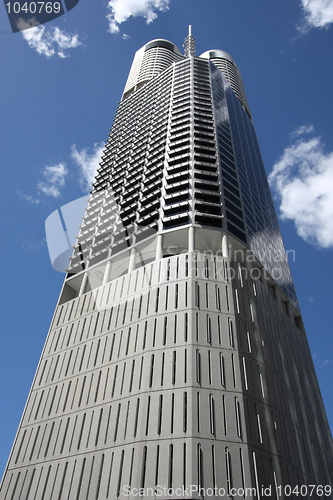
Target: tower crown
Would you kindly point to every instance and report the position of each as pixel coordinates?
(153, 58)
(227, 65)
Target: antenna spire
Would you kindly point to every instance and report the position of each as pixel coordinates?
(189, 43)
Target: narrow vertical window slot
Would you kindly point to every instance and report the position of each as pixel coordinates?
(112, 346)
(98, 486)
(144, 466)
(197, 295)
(132, 309)
(206, 268)
(224, 415)
(256, 474)
(228, 471)
(245, 374)
(198, 366)
(110, 318)
(117, 424)
(144, 340)
(233, 370)
(140, 306)
(128, 341)
(106, 383)
(90, 426)
(237, 302)
(218, 298)
(219, 330)
(126, 419)
(99, 426)
(184, 465)
(81, 431)
(165, 330)
(170, 481)
(185, 412)
(198, 412)
(261, 385)
(238, 418)
(185, 366)
(120, 473)
(172, 411)
(212, 414)
(157, 299)
(160, 410)
(110, 473)
(131, 469)
(120, 342)
(209, 368)
(114, 381)
(140, 377)
(174, 365)
(147, 417)
(151, 373)
(136, 417)
(162, 368)
(200, 467)
(259, 424)
(104, 350)
(148, 302)
(136, 337)
(231, 332)
(240, 275)
(213, 467)
(209, 330)
(132, 375)
(80, 479)
(122, 379)
(185, 327)
(249, 341)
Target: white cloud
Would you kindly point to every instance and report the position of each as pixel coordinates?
(55, 179)
(88, 164)
(121, 10)
(51, 41)
(27, 197)
(304, 129)
(318, 13)
(303, 179)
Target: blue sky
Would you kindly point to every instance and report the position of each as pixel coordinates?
(61, 84)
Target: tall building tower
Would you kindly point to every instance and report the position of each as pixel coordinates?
(176, 361)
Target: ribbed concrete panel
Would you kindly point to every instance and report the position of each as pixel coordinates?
(201, 371)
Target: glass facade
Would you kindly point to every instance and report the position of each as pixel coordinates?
(248, 202)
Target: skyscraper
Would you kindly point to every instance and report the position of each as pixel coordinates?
(176, 361)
